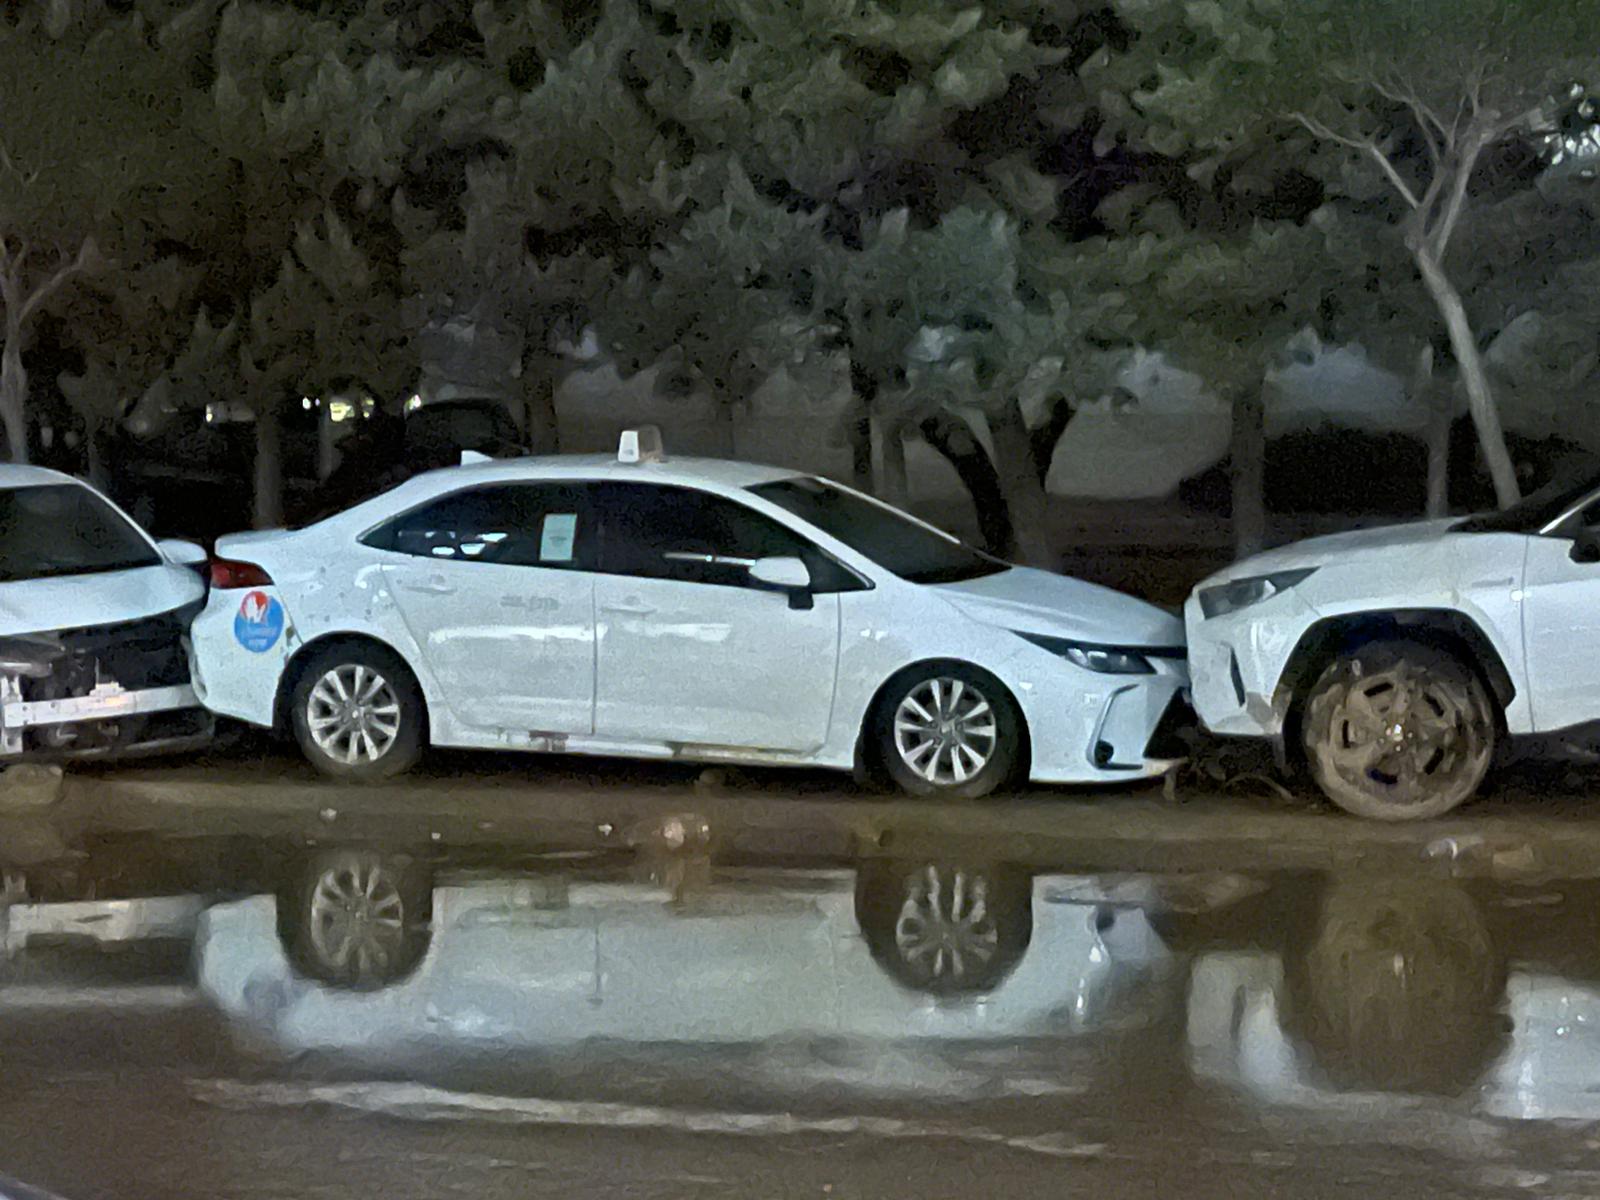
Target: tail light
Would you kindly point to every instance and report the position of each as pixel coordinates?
(230, 573)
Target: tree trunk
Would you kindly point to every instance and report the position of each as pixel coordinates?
(94, 455)
(858, 429)
(14, 395)
(326, 450)
(1480, 398)
(953, 437)
(269, 469)
(896, 487)
(1019, 480)
(1436, 408)
(1043, 439)
(1249, 472)
(543, 431)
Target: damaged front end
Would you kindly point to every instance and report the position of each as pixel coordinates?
(102, 690)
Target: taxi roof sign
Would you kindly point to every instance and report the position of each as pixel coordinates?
(640, 445)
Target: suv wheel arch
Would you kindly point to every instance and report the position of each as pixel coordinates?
(1446, 629)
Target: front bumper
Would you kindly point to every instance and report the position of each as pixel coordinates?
(1109, 728)
(1237, 661)
(111, 689)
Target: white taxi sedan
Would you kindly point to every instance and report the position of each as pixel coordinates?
(687, 609)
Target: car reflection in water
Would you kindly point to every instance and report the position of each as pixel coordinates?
(366, 956)
(1405, 988)
(946, 975)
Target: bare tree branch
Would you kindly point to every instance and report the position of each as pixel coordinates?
(1439, 236)
(1366, 146)
(1475, 89)
(86, 255)
(6, 162)
(1430, 198)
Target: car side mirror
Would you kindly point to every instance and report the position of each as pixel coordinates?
(784, 573)
(181, 553)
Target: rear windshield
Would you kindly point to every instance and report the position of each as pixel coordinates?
(894, 541)
(65, 529)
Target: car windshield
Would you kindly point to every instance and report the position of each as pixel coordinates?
(65, 529)
(1538, 508)
(891, 539)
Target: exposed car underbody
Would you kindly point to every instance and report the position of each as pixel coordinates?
(103, 690)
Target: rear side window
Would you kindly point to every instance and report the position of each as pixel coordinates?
(65, 529)
(654, 531)
(523, 525)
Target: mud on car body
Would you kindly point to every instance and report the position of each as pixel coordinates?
(94, 619)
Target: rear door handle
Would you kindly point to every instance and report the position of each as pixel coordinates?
(436, 586)
(634, 609)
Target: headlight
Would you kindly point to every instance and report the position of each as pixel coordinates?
(1229, 597)
(1108, 660)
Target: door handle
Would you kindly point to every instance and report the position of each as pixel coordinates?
(633, 609)
(430, 587)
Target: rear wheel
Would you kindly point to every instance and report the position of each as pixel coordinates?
(948, 730)
(1398, 731)
(357, 713)
(357, 918)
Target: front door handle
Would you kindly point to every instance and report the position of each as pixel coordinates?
(435, 586)
(632, 609)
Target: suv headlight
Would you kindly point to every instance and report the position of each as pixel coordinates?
(1230, 597)
(1108, 660)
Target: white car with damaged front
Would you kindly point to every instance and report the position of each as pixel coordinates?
(1391, 661)
(93, 622)
(692, 609)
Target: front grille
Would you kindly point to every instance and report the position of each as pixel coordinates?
(1177, 731)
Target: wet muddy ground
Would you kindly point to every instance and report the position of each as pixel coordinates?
(645, 981)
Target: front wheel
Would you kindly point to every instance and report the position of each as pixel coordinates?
(1398, 731)
(358, 714)
(944, 929)
(948, 730)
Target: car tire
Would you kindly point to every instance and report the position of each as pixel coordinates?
(1398, 731)
(375, 708)
(944, 929)
(947, 730)
(355, 918)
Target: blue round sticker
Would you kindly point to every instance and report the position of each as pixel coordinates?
(259, 623)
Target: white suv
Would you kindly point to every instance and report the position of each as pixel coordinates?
(1391, 660)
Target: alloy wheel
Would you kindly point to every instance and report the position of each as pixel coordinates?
(1403, 732)
(353, 714)
(357, 921)
(945, 931)
(945, 731)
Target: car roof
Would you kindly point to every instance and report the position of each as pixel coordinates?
(17, 475)
(717, 472)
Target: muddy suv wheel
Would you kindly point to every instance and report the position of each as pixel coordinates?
(1398, 731)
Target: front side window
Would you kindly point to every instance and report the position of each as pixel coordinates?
(653, 531)
(894, 541)
(65, 529)
(523, 525)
